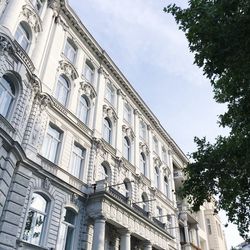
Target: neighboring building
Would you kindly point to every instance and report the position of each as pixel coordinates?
(243, 246)
(84, 163)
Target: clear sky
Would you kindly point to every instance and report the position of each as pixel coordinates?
(153, 54)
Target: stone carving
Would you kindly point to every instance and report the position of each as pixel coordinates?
(109, 112)
(54, 4)
(5, 44)
(46, 183)
(128, 132)
(68, 69)
(88, 90)
(157, 161)
(144, 148)
(32, 18)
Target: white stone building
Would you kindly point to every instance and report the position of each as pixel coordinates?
(84, 163)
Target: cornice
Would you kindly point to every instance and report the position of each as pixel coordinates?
(106, 62)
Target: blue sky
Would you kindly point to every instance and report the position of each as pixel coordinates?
(153, 54)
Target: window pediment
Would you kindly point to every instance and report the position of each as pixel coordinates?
(32, 18)
(144, 148)
(157, 161)
(88, 90)
(68, 69)
(128, 132)
(109, 112)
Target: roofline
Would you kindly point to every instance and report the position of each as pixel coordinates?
(110, 66)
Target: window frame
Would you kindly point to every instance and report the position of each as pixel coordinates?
(82, 158)
(127, 146)
(25, 34)
(127, 113)
(143, 163)
(64, 84)
(70, 47)
(87, 108)
(36, 211)
(110, 94)
(107, 130)
(157, 177)
(58, 146)
(89, 67)
(8, 87)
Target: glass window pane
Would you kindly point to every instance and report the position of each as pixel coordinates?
(7, 92)
(70, 216)
(83, 110)
(69, 239)
(38, 203)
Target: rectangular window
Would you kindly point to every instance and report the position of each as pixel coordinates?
(156, 146)
(51, 143)
(89, 72)
(77, 161)
(127, 113)
(209, 228)
(70, 51)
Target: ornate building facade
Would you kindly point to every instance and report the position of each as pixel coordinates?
(84, 163)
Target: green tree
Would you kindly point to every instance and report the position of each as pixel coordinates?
(218, 32)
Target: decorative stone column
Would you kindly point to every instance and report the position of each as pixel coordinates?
(125, 240)
(99, 233)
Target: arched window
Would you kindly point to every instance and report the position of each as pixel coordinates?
(103, 174)
(166, 186)
(66, 234)
(23, 35)
(107, 130)
(34, 226)
(144, 198)
(110, 94)
(143, 164)
(77, 161)
(157, 177)
(7, 94)
(62, 90)
(83, 111)
(126, 148)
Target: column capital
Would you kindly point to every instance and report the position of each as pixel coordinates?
(124, 231)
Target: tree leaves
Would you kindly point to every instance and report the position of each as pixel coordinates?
(218, 32)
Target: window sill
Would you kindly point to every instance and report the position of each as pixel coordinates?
(28, 246)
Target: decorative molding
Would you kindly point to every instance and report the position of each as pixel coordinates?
(144, 148)
(128, 132)
(88, 90)
(46, 183)
(157, 161)
(68, 69)
(32, 18)
(109, 112)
